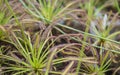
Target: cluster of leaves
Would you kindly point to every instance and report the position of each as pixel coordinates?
(50, 49)
(4, 15)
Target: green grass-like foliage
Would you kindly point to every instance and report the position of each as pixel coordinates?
(89, 52)
(5, 15)
(46, 10)
(30, 58)
(103, 29)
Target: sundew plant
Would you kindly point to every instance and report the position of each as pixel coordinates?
(46, 10)
(60, 37)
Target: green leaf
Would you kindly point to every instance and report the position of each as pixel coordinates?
(1, 17)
